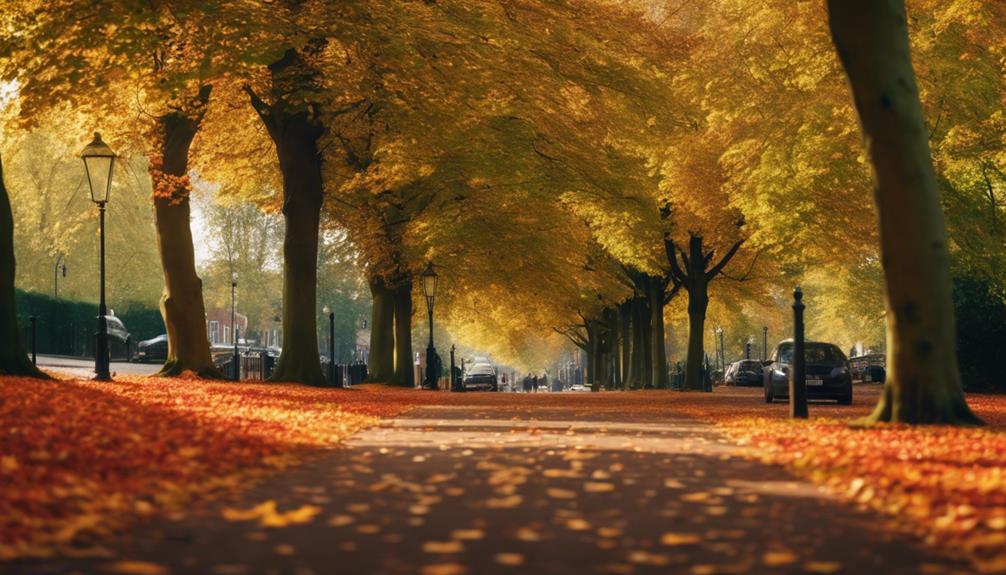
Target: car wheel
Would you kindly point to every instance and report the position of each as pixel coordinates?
(846, 399)
(769, 393)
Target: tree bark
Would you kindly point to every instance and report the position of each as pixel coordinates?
(658, 351)
(300, 162)
(640, 370)
(625, 326)
(13, 358)
(295, 129)
(404, 373)
(381, 363)
(923, 384)
(182, 304)
(698, 302)
(591, 350)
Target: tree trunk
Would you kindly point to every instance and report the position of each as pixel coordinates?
(591, 350)
(300, 163)
(646, 343)
(403, 375)
(13, 359)
(182, 304)
(698, 301)
(625, 326)
(381, 364)
(923, 384)
(641, 363)
(658, 351)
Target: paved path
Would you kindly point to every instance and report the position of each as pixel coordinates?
(82, 367)
(445, 491)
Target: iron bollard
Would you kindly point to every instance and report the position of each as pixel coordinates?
(798, 375)
(34, 340)
(454, 376)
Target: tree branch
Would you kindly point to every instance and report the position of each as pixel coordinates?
(723, 262)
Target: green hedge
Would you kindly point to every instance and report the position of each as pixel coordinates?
(67, 327)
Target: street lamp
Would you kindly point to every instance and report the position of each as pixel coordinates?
(430, 291)
(719, 352)
(331, 346)
(764, 343)
(55, 275)
(99, 160)
(234, 327)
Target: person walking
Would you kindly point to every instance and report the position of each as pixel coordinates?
(534, 383)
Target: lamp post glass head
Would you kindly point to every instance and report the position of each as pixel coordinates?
(99, 160)
(429, 281)
(326, 310)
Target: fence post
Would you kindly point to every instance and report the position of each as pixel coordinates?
(798, 375)
(34, 340)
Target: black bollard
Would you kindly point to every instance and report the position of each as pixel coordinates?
(798, 375)
(34, 340)
(454, 376)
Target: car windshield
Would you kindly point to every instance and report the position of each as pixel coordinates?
(481, 370)
(749, 365)
(813, 353)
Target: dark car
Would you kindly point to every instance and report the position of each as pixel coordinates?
(746, 372)
(481, 377)
(827, 370)
(119, 339)
(152, 350)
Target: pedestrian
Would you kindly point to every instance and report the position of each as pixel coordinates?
(527, 383)
(544, 380)
(534, 383)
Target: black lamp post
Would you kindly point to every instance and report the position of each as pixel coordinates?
(331, 347)
(430, 291)
(764, 343)
(234, 327)
(716, 343)
(99, 160)
(55, 275)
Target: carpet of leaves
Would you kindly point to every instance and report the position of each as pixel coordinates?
(948, 484)
(80, 459)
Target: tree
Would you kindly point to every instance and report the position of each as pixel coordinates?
(13, 359)
(155, 61)
(694, 272)
(923, 384)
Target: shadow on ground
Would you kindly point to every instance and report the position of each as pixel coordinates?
(450, 490)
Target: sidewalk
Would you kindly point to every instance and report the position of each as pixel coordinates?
(450, 490)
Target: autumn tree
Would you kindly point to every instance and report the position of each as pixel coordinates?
(155, 62)
(923, 383)
(13, 359)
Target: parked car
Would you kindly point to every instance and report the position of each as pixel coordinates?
(119, 340)
(874, 373)
(864, 367)
(153, 350)
(827, 371)
(728, 375)
(578, 387)
(745, 372)
(481, 377)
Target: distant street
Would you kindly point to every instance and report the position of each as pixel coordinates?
(84, 367)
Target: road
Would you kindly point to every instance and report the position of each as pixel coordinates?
(83, 367)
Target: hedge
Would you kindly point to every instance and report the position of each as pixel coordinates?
(67, 327)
